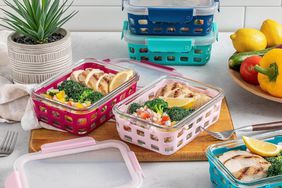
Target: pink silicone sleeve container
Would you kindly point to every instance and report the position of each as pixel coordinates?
(167, 140)
(74, 120)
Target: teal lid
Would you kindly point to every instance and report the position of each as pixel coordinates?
(170, 43)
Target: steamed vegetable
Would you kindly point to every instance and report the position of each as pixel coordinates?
(133, 108)
(72, 89)
(275, 167)
(178, 113)
(79, 93)
(157, 105)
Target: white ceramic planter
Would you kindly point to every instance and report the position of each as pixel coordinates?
(36, 63)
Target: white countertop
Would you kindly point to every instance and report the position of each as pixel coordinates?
(245, 108)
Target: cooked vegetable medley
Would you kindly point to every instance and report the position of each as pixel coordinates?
(74, 94)
(171, 104)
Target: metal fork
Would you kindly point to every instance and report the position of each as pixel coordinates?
(225, 135)
(8, 144)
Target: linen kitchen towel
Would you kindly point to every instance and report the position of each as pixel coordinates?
(16, 105)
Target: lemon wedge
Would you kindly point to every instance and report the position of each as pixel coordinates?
(259, 147)
(180, 102)
(120, 78)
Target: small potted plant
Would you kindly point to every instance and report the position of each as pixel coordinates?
(39, 47)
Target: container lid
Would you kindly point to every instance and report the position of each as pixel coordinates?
(201, 7)
(147, 71)
(76, 163)
(170, 43)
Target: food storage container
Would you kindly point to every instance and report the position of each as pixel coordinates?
(82, 121)
(170, 17)
(77, 163)
(220, 176)
(76, 120)
(170, 50)
(167, 140)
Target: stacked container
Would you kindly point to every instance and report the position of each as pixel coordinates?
(170, 32)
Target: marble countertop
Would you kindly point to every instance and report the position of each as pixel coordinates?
(245, 108)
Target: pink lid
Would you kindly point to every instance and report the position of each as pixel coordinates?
(76, 163)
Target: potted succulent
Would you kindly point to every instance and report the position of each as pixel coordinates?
(38, 48)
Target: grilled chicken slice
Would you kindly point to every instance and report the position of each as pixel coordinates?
(92, 78)
(175, 90)
(245, 165)
(103, 83)
(83, 75)
(201, 100)
(75, 74)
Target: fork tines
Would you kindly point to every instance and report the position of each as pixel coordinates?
(9, 142)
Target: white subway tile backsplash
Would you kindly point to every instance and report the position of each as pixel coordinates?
(250, 2)
(230, 18)
(256, 15)
(106, 15)
(96, 19)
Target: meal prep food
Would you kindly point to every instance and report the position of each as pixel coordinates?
(171, 103)
(255, 163)
(169, 17)
(167, 114)
(82, 99)
(85, 87)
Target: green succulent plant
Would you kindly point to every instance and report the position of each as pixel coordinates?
(36, 19)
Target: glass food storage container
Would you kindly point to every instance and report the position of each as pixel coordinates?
(220, 176)
(80, 121)
(81, 162)
(170, 17)
(167, 140)
(170, 50)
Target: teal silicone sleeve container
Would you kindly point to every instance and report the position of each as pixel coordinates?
(221, 177)
(170, 50)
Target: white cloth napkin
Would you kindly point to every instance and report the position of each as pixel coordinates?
(16, 105)
(15, 102)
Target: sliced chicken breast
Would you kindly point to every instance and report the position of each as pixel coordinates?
(92, 78)
(75, 74)
(244, 165)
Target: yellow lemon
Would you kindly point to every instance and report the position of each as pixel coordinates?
(272, 31)
(247, 39)
(120, 78)
(180, 102)
(264, 149)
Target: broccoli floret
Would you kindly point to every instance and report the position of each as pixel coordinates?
(79, 93)
(72, 89)
(94, 97)
(275, 167)
(133, 108)
(157, 105)
(86, 92)
(177, 113)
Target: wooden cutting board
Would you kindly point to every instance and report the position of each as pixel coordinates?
(195, 150)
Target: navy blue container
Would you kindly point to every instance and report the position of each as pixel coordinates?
(171, 17)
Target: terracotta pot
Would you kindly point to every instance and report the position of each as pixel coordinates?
(36, 63)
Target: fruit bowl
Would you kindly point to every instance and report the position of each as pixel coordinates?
(251, 88)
